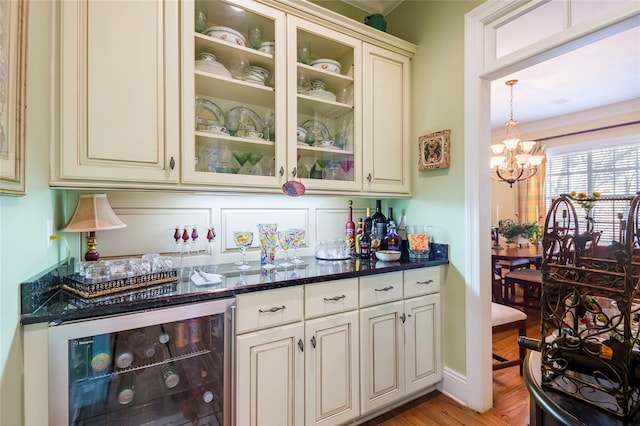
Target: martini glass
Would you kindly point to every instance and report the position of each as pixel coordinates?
(254, 157)
(243, 240)
(241, 158)
(308, 163)
(297, 235)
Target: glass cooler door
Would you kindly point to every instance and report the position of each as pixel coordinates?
(166, 367)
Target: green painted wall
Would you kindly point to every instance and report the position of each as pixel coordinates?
(437, 103)
(23, 242)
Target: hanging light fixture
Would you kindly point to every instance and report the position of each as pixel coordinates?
(514, 160)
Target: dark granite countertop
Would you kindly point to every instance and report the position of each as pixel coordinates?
(43, 298)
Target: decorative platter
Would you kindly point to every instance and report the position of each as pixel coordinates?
(316, 128)
(236, 113)
(208, 112)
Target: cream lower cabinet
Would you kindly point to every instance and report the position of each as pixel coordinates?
(118, 100)
(331, 353)
(270, 379)
(400, 337)
(270, 358)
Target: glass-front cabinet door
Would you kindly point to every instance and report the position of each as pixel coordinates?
(234, 94)
(324, 115)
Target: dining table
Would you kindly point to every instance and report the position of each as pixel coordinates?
(532, 252)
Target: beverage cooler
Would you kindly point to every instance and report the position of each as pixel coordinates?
(168, 366)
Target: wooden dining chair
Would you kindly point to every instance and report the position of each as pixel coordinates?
(505, 318)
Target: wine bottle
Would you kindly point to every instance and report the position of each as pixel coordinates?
(378, 228)
(367, 220)
(390, 218)
(378, 221)
(358, 236)
(365, 242)
(124, 355)
(126, 388)
(350, 230)
(139, 343)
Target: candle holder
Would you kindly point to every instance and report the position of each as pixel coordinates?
(496, 238)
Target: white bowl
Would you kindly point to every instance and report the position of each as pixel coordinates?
(322, 94)
(227, 34)
(268, 47)
(387, 255)
(326, 65)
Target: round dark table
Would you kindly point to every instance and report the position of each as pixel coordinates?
(550, 408)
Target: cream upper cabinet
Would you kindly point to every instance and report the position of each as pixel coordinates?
(324, 116)
(386, 114)
(118, 94)
(234, 95)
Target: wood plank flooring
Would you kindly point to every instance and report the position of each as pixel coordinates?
(510, 396)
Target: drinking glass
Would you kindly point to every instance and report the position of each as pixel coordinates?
(297, 235)
(239, 67)
(304, 52)
(308, 163)
(200, 20)
(255, 35)
(304, 83)
(243, 240)
(285, 239)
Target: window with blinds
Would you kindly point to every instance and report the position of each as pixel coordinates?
(613, 171)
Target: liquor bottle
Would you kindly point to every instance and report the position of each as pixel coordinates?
(365, 242)
(181, 337)
(350, 230)
(392, 239)
(357, 237)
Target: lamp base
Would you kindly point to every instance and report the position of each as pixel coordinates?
(92, 241)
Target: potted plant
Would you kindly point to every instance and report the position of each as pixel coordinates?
(510, 230)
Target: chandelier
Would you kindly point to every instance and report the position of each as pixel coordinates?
(514, 160)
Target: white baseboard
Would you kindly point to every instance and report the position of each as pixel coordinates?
(454, 385)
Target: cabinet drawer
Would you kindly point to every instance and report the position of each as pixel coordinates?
(330, 297)
(376, 289)
(422, 281)
(269, 308)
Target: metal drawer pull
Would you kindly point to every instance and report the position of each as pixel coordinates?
(301, 345)
(274, 309)
(334, 299)
(384, 289)
(424, 282)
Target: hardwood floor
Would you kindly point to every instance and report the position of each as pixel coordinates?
(510, 396)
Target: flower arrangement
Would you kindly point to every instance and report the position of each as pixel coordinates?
(587, 202)
(510, 229)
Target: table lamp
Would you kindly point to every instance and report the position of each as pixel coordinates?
(93, 213)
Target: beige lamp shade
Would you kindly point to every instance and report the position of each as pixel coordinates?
(93, 213)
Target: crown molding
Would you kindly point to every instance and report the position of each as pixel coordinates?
(382, 7)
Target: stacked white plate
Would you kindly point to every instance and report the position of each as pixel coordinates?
(322, 94)
(257, 75)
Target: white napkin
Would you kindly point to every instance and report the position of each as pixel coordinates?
(203, 278)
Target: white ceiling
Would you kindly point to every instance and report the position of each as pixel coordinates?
(602, 73)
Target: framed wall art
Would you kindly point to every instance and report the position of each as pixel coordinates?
(434, 150)
(13, 84)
